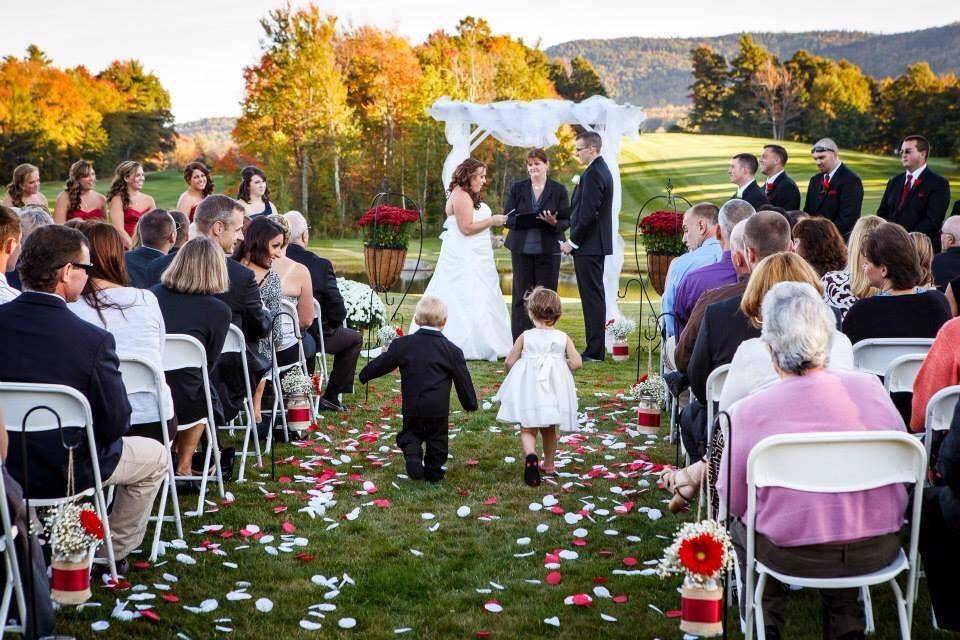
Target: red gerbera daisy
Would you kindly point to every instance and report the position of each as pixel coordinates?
(702, 554)
(91, 524)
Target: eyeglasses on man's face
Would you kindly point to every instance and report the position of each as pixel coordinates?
(87, 268)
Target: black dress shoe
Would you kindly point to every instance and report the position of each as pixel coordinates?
(100, 569)
(587, 358)
(325, 404)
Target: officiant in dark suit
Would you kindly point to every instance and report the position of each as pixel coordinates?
(780, 189)
(743, 173)
(538, 213)
(836, 192)
(591, 238)
(916, 199)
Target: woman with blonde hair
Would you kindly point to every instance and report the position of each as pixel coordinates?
(24, 189)
(924, 247)
(199, 186)
(187, 295)
(126, 200)
(79, 198)
(843, 288)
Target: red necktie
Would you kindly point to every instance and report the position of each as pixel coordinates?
(905, 191)
(769, 188)
(825, 182)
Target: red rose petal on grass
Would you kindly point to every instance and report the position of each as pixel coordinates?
(482, 634)
(284, 479)
(383, 503)
(304, 557)
(620, 599)
(472, 463)
(269, 496)
(606, 553)
(226, 534)
(287, 527)
(630, 561)
(557, 509)
(169, 597)
(118, 585)
(600, 580)
(150, 615)
(673, 613)
(279, 508)
(582, 600)
(554, 577)
(551, 558)
(141, 565)
(355, 477)
(579, 542)
(489, 501)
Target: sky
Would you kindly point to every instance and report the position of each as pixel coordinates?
(198, 48)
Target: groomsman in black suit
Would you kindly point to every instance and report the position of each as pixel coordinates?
(780, 189)
(743, 172)
(916, 199)
(836, 192)
(591, 238)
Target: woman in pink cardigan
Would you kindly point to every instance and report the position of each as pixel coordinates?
(811, 534)
(941, 368)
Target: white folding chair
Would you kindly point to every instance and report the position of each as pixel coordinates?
(235, 343)
(321, 364)
(875, 354)
(18, 399)
(902, 371)
(288, 309)
(715, 382)
(13, 586)
(845, 462)
(181, 351)
(140, 376)
(939, 413)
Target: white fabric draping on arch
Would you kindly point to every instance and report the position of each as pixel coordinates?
(535, 124)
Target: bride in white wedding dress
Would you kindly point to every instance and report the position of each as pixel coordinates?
(465, 277)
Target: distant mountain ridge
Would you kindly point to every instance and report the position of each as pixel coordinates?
(654, 72)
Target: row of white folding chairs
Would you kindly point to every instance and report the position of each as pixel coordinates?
(13, 592)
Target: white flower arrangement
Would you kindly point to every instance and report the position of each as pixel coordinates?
(296, 383)
(653, 387)
(621, 329)
(575, 179)
(74, 531)
(700, 551)
(364, 307)
(387, 334)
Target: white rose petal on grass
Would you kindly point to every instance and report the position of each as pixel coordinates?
(346, 623)
(486, 406)
(549, 500)
(325, 606)
(185, 559)
(607, 618)
(208, 605)
(403, 630)
(509, 459)
(654, 514)
(100, 625)
(572, 518)
(523, 541)
(601, 592)
(492, 607)
(463, 511)
(535, 506)
(566, 554)
(264, 605)
(310, 625)
(553, 622)
(611, 532)
(543, 528)
(580, 533)
(427, 516)
(236, 596)
(416, 552)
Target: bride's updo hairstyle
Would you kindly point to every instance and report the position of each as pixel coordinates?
(461, 178)
(543, 305)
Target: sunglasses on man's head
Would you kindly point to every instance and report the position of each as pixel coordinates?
(821, 150)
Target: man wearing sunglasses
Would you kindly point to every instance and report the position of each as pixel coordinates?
(836, 192)
(916, 199)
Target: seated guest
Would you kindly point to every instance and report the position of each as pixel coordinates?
(780, 189)
(946, 264)
(916, 199)
(187, 295)
(751, 368)
(713, 275)
(835, 192)
(953, 294)
(220, 218)
(703, 248)
(818, 242)
(295, 287)
(924, 248)
(157, 232)
(941, 368)
(9, 244)
(939, 528)
(743, 173)
(429, 364)
(902, 309)
(343, 343)
(132, 316)
(30, 218)
(763, 235)
(842, 288)
(821, 535)
(182, 226)
(44, 342)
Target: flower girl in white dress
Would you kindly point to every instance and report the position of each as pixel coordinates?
(538, 391)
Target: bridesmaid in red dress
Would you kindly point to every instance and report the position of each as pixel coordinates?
(25, 188)
(199, 186)
(126, 201)
(79, 199)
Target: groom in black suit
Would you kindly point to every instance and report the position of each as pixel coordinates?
(591, 238)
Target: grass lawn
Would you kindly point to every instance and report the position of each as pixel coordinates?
(465, 562)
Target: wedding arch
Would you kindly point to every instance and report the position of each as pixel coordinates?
(535, 124)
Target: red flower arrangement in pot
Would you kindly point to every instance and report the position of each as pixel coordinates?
(386, 230)
(661, 234)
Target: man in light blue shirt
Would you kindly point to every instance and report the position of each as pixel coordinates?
(700, 235)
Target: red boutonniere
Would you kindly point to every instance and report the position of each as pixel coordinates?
(832, 192)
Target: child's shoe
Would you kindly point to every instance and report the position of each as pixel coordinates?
(531, 470)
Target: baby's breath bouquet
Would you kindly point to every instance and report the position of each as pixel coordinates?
(74, 530)
(621, 329)
(387, 334)
(296, 383)
(651, 387)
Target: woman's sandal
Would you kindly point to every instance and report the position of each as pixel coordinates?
(531, 470)
(680, 479)
(548, 470)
